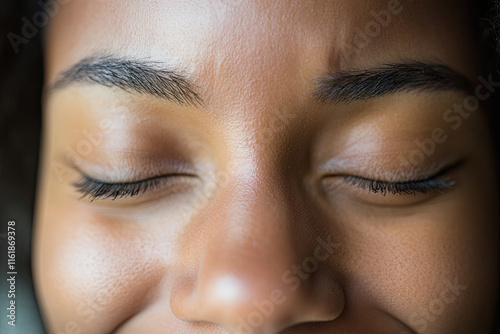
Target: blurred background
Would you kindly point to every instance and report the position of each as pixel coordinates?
(21, 75)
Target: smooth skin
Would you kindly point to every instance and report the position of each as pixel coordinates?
(259, 229)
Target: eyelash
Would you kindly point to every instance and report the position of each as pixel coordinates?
(94, 189)
(436, 183)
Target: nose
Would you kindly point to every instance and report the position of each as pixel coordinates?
(260, 269)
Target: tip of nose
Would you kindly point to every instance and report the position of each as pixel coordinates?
(228, 289)
(230, 304)
(249, 305)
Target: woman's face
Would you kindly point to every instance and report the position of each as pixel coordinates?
(265, 166)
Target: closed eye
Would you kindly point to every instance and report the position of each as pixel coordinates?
(95, 189)
(408, 190)
(433, 184)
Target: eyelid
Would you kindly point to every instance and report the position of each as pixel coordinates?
(388, 166)
(96, 189)
(122, 170)
(437, 183)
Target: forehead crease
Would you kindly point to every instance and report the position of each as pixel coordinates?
(269, 51)
(253, 50)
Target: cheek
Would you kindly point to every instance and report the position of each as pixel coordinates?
(433, 268)
(91, 271)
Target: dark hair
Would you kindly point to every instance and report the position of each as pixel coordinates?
(21, 76)
(21, 79)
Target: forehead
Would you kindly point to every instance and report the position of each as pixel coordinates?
(248, 47)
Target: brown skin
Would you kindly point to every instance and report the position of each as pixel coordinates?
(194, 258)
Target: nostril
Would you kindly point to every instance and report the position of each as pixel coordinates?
(241, 305)
(181, 298)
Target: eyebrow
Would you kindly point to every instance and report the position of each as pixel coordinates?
(348, 86)
(131, 75)
(148, 77)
